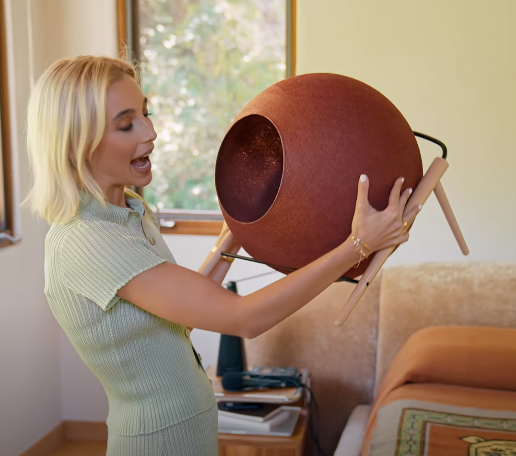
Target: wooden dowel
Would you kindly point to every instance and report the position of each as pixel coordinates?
(450, 217)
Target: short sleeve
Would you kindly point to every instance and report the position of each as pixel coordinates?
(98, 258)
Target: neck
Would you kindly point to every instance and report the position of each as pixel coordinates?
(116, 195)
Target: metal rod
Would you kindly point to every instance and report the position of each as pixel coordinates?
(239, 257)
(435, 141)
(252, 277)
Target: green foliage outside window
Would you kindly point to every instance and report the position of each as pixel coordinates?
(201, 62)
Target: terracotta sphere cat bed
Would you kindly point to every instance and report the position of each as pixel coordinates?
(288, 168)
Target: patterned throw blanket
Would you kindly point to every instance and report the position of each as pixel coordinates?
(450, 391)
(415, 428)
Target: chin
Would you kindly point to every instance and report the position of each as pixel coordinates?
(147, 181)
(141, 181)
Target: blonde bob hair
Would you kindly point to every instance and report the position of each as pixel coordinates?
(65, 123)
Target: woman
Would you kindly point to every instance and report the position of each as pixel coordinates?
(112, 283)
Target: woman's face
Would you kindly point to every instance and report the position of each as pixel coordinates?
(122, 157)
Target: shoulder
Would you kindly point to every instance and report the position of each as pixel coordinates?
(79, 235)
(57, 234)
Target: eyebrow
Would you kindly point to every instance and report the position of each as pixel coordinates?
(128, 111)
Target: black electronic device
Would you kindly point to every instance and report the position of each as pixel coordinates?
(248, 381)
(231, 349)
(250, 411)
(276, 371)
(236, 406)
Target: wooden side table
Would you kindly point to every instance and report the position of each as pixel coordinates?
(261, 445)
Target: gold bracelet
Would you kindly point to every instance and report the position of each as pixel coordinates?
(357, 242)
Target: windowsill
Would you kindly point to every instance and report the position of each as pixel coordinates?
(196, 228)
(190, 222)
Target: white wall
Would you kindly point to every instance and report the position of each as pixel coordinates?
(29, 338)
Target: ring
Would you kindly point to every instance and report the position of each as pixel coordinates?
(405, 224)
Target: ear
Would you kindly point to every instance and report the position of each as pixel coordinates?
(473, 439)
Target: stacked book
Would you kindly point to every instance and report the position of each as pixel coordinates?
(257, 418)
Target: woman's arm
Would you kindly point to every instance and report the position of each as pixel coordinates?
(215, 266)
(180, 295)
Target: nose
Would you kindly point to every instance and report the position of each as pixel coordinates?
(150, 133)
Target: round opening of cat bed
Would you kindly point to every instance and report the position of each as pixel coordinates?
(249, 168)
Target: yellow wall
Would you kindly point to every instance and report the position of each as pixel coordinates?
(450, 67)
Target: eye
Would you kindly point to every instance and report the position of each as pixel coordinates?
(147, 114)
(128, 128)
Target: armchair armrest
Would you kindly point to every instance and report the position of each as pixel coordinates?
(350, 443)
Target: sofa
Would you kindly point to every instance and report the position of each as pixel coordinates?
(348, 364)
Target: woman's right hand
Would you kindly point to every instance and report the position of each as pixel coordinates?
(382, 229)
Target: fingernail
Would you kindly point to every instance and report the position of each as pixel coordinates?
(410, 191)
(402, 180)
(420, 207)
(363, 178)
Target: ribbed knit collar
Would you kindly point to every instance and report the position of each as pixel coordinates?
(91, 208)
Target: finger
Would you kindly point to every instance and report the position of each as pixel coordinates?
(395, 192)
(409, 217)
(403, 200)
(363, 191)
(403, 238)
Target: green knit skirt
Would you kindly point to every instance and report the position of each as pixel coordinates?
(196, 436)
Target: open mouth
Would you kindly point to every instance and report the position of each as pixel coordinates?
(141, 163)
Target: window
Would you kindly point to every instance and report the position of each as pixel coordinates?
(201, 62)
(5, 166)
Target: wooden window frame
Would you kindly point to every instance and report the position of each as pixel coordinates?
(180, 221)
(5, 134)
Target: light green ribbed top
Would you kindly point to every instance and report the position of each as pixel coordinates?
(146, 364)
